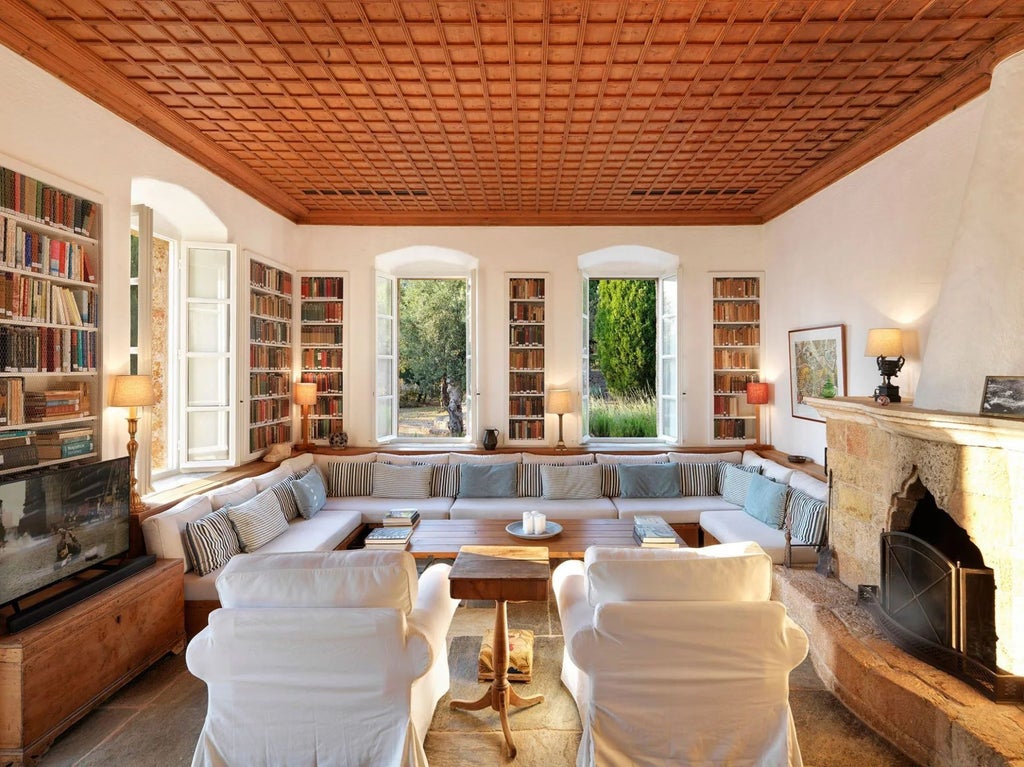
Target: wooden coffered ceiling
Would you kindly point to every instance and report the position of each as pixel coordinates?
(435, 112)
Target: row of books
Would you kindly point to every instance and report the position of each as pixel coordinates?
(27, 448)
(18, 406)
(332, 311)
(266, 277)
(47, 350)
(29, 298)
(652, 531)
(22, 248)
(322, 287)
(271, 306)
(46, 204)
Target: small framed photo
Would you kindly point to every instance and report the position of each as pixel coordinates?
(1003, 397)
(817, 367)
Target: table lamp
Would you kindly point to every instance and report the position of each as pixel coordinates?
(884, 343)
(133, 392)
(560, 403)
(305, 396)
(758, 394)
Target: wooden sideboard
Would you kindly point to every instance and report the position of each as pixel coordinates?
(55, 672)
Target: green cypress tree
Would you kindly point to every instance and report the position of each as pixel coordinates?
(625, 330)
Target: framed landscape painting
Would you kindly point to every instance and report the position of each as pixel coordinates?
(817, 356)
(1003, 397)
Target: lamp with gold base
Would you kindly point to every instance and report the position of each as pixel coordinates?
(305, 397)
(133, 392)
(560, 403)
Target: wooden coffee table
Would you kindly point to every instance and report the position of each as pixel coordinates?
(504, 574)
(442, 538)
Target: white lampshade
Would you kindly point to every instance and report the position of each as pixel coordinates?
(884, 342)
(305, 393)
(132, 391)
(560, 401)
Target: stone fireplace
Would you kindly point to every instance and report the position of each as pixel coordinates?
(884, 460)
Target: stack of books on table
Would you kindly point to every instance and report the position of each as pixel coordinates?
(401, 518)
(388, 537)
(651, 531)
(67, 443)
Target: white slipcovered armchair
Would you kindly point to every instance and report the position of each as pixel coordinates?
(330, 658)
(677, 656)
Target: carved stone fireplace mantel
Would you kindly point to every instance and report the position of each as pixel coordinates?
(972, 465)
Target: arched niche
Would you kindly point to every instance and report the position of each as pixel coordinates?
(425, 261)
(178, 212)
(628, 261)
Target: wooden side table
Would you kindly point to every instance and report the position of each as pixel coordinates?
(504, 574)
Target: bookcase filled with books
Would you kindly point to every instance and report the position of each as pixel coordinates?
(736, 355)
(49, 323)
(270, 354)
(526, 357)
(322, 349)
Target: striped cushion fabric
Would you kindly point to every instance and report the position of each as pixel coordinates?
(283, 491)
(258, 521)
(444, 480)
(724, 465)
(401, 481)
(735, 481)
(700, 478)
(610, 480)
(346, 479)
(528, 481)
(210, 542)
(565, 483)
(806, 518)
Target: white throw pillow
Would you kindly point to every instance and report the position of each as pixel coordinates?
(564, 483)
(412, 482)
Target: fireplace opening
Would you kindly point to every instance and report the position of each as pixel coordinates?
(937, 597)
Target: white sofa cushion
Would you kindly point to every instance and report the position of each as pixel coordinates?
(493, 458)
(733, 456)
(320, 579)
(558, 460)
(739, 526)
(613, 459)
(412, 460)
(297, 463)
(512, 509)
(237, 492)
(678, 511)
(808, 484)
(263, 481)
(164, 532)
(769, 468)
(373, 509)
(732, 572)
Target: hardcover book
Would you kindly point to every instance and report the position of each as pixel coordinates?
(401, 518)
(390, 537)
(651, 528)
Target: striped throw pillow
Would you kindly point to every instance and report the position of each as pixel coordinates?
(700, 478)
(528, 481)
(734, 482)
(347, 479)
(401, 481)
(259, 521)
(565, 483)
(610, 480)
(723, 466)
(211, 541)
(806, 518)
(283, 492)
(444, 480)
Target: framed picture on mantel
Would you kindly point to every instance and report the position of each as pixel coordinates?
(817, 367)
(1004, 397)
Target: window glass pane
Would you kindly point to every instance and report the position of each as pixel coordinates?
(208, 328)
(385, 379)
(668, 335)
(209, 273)
(384, 421)
(208, 436)
(668, 416)
(668, 297)
(208, 382)
(384, 336)
(133, 269)
(133, 331)
(384, 296)
(668, 376)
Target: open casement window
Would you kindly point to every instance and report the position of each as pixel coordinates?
(385, 388)
(667, 355)
(392, 422)
(208, 433)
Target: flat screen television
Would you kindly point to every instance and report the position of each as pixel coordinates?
(60, 520)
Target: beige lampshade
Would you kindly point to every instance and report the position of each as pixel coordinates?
(884, 342)
(305, 393)
(132, 391)
(560, 401)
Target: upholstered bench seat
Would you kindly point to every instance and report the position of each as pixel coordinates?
(735, 525)
(676, 511)
(513, 508)
(373, 509)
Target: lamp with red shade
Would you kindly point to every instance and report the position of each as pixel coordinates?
(758, 393)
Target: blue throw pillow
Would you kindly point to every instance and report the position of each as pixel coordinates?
(653, 480)
(310, 492)
(766, 501)
(487, 480)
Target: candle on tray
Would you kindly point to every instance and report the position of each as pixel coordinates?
(528, 523)
(540, 523)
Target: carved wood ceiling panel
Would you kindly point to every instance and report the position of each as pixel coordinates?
(424, 111)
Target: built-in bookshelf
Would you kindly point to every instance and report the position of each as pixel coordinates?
(736, 354)
(322, 349)
(526, 357)
(270, 354)
(49, 324)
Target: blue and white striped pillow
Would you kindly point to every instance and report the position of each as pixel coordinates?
(258, 521)
(806, 517)
(444, 480)
(412, 482)
(567, 483)
(350, 478)
(700, 478)
(285, 496)
(211, 541)
(734, 481)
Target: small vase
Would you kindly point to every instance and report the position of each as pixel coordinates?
(490, 439)
(828, 389)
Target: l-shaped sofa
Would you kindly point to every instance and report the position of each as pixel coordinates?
(711, 497)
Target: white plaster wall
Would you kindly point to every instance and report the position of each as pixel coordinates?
(553, 250)
(59, 135)
(869, 251)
